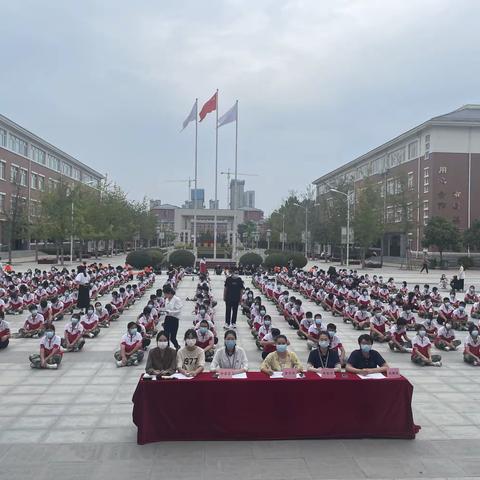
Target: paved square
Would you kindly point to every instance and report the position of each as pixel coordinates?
(76, 422)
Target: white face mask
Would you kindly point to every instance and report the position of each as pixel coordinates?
(162, 345)
(190, 342)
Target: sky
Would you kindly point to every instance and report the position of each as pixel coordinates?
(318, 83)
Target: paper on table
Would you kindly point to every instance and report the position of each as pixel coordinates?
(146, 376)
(240, 375)
(280, 375)
(372, 375)
(181, 376)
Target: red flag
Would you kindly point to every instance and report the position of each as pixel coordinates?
(209, 106)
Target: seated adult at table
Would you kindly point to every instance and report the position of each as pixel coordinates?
(323, 356)
(162, 360)
(230, 356)
(366, 360)
(281, 358)
(190, 358)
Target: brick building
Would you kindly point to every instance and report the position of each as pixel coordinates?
(29, 166)
(430, 170)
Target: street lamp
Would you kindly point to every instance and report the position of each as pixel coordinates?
(347, 196)
(269, 233)
(306, 226)
(283, 228)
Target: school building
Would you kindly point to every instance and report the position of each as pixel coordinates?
(430, 170)
(29, 166)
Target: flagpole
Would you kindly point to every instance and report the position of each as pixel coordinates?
(216, 183)
(195, 200)
(235, 190)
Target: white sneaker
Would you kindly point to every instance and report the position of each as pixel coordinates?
(447, 348)
(119, 363)
(91, 335)
(52, 366)
(226, 326)
(135, 362)
(409, 350)
(437, 364)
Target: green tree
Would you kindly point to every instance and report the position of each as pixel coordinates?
(471, 236)
(441, 233)
(367, 222)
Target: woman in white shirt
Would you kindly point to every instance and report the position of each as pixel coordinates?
(82, 280)
(173, 308)
(230, 356)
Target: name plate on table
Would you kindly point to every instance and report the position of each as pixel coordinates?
(327, 373)
(289, 373)
(393, 373)
(225, 373)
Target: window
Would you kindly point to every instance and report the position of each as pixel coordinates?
(14, 177)
(2, 202)
(413, 150)
(409, 212)
(398, 186)
(3, 167)
(381, 188)
(38, 155)
(52, 184)
(34, 208)
(3, 137)
(425, 212)
(34, 180)
(426, 179)
(390, 214)
(76, 174)
(23, 177)
(410, 180)
(427, 146)
(442, 170)
(41, 183)
(396, 158)
(398, 214)
(18, 145)
(53, 162)
(390, 186)
(67, 169)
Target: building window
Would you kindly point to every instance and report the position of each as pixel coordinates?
(34, 208)
(427, 146)
(413, 150)
(398, 186)
(442, 170)
(3, 167)
(390, 214)
(409, 212)
(33, 181)
(52, 184)
(23, 177)
(38, 155)
(425, 212)
(18, 145)
(426, 179)
(67, 169)
(390, 186)
(396, 158)
(14, 177)
(41, 183)
(398, 214)
(53, 162)
(2, 202)
(3, 137)
(410, 180)
(76, 174)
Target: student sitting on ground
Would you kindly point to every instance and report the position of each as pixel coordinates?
(431, 327)
(349, 311)
(378, 327)
(90, 323)
(34, 324)
(471, 352)
(103, 315)
(190, 358)
(57, 309)
(445, 339)
(73, 340)
(230, 356)
(4, 332)
(422, 350)
(162, 360)
(460, 317)
(281, 358)
(399, 340)
(206, 340)
(268, 342)
(365, 360)
(130, 353)
(324, 356)
(51, 353)
(305, 324)
(361, 320)
(336, 343)
(314, 332)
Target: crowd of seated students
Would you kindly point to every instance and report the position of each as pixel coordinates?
(387, 312)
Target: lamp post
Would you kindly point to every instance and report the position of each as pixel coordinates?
(283, 228)
(306, 227)
(269, 233)
(347, 196)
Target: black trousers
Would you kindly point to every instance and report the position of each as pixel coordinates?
(4, 344)
(424, 267)
(170, 326)
(231, 309)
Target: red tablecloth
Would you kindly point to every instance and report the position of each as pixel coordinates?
(260, 408)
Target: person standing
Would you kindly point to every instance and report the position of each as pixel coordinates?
(232, 294)
(461, 278)
(424, 262)
(173, 308)
(203, 266)
(82, 280)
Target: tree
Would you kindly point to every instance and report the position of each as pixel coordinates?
(367, 222)
(471, 236)
(441, 233)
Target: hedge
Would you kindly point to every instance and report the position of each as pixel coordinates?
(148, 257)
(276, 260)
(466, 261)
(182, 258)
(299, 259)
(250, 258)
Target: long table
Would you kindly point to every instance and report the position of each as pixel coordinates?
(261, 408)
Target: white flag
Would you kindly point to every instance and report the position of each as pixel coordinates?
(191, 116)
(229, 117)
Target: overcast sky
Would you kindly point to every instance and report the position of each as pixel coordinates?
(318, 83)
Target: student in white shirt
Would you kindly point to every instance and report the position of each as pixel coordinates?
(4, 332)
(422, 350)
(73, 340)
(130, 353)
(230, 356)
(471, 352)
(51, 352)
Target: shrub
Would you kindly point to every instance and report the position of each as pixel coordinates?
(467, 262)
(250, 258)
(182, 258)
(299, 259)
(145, 258)
(276, 260)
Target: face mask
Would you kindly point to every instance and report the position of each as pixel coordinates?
(267, 322)
(262, 312)
(461, 309)
(230, 344)
(132, 331)
(407, 312)
(190, 342)
(98, 309)
(331, 333)
(474, 333)
(323, 344)
(202, 312)
(49, 334)
(318, 321)
(448, 326)
(34, 312)
(203, 330)
(74, 321)
(282, 348)
(365, 347)
(90, 312)
(422, 333)
(162, 345)
(378, 315)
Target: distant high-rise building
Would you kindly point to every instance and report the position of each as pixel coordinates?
(237, 194)
(249, 199)
(213, 204)
(196, 196)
